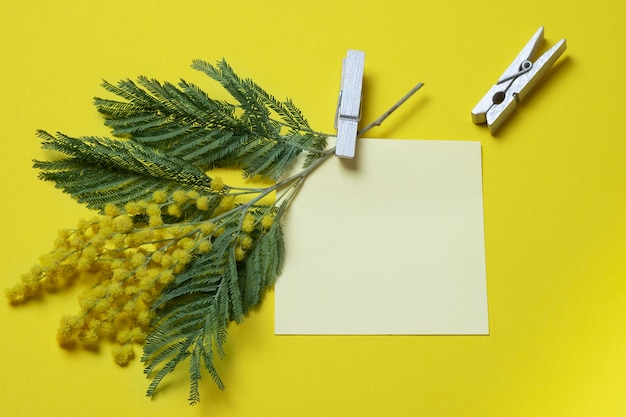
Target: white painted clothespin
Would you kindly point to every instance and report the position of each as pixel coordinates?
(349, 105)
(516, 82)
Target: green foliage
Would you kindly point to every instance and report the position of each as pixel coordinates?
(260, 134)
(167, 137)
(193, 313)
(261, 267)
(102, 170)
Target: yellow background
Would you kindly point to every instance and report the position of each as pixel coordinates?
(554, 196)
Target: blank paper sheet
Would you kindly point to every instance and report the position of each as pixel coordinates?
(391, 242)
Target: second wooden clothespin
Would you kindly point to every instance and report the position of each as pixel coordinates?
(349, 105)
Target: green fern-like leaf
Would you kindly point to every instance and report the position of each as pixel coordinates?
(192, 317)
(262, 266)
(193, 313)
(101, 170)
(211, 133)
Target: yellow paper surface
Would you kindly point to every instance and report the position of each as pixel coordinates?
(553, 177)
(398, 232)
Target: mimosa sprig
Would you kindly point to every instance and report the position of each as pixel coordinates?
(174, 254)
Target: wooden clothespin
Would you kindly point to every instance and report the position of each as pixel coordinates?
(349, 105)
(518, 79)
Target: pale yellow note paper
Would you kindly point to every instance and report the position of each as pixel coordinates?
(391, 242)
